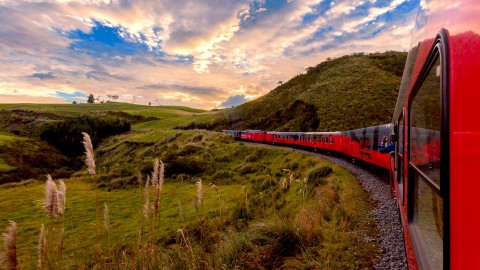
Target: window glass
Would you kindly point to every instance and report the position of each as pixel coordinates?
(424, 162)
(425, 119)
(430, 223)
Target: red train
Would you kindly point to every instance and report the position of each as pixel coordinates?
(433, 168)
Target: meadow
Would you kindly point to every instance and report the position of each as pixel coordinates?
(257, 208)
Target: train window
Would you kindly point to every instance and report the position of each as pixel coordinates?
(331, 139)
(424, 168)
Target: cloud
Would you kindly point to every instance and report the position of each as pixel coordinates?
(193, 90)
(184, 52)
(43, 76)
(102, 76)
(233, 101)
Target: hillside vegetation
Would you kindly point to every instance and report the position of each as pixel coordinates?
(36, 139)
(259, 208)
(348, 92)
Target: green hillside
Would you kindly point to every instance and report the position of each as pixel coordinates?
(258, 208)
(349, 92)
(23, 155)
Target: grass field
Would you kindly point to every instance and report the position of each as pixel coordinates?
(24, 205)
(8, 139)
(261, 217)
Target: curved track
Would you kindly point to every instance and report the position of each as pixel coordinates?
(385, 214)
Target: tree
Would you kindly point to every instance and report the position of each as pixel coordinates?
(91, 99)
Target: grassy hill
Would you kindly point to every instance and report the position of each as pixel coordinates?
(349, 92)
(23, 155)
(256, 216)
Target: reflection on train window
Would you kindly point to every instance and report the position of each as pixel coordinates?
(424, 164)
(425, 119)
(365, 143)
(430, 223)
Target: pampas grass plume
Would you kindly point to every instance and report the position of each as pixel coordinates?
(8, 260)
(199, 191)
(51, 198)
(62, 197)
(89, 156)
(155, 172)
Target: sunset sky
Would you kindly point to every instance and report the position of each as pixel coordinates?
(199, 53)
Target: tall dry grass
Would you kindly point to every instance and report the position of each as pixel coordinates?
(41, 248)
(106, 223)
(8, 257)
(49, 254)
(90, 162)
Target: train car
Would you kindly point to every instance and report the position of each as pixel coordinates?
(435, 165)
(236, 134)
(253, 135)
(364, 144)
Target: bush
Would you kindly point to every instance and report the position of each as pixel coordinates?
(66, 136)
(251, 158)
(222, 158)
(190, 149)
(318, 174)
(247, 168)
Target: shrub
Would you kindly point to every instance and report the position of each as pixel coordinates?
(251, 158)
(190, 149)
(318, 174)
(247, 168)
(66, 135)
(222, 158)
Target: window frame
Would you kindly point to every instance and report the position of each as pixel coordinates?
(439, 50)
(400, 174)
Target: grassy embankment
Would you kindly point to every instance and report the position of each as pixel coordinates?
(258, 218)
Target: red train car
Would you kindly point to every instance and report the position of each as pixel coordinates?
(434, 168)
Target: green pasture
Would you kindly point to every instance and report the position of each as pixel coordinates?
(24, 205)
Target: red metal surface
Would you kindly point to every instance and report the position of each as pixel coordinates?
(462, 22)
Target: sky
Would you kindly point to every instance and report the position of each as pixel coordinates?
(198, 53)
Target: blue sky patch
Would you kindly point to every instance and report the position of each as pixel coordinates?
(105, 40)
(75, 96)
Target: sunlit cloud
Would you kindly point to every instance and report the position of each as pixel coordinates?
(198, 53)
